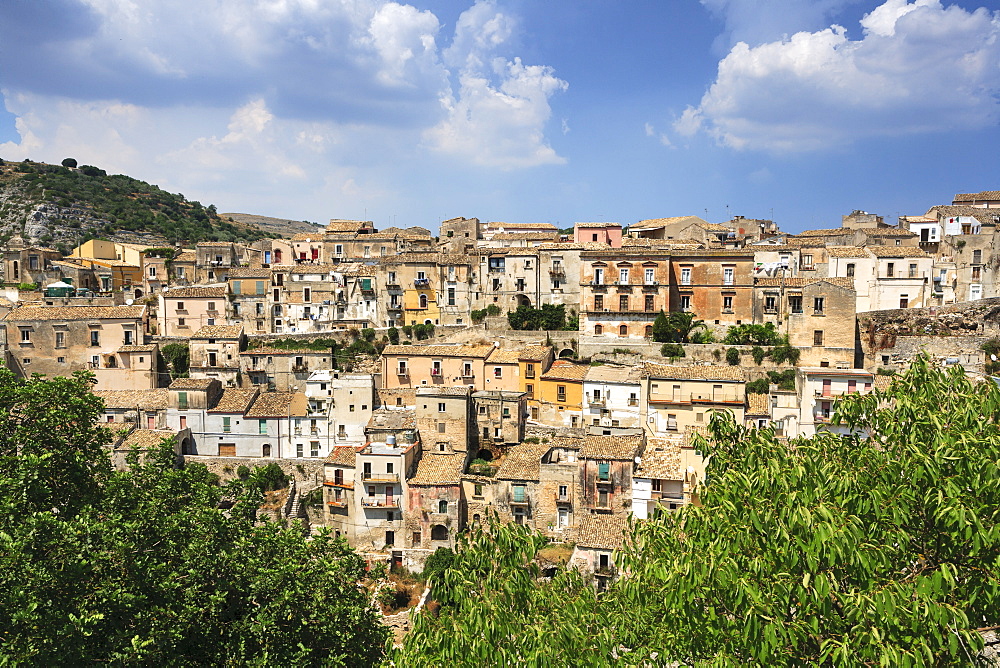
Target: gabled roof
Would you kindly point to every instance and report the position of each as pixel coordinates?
(661, 459)
(602, 531)
(440, 350)
(839, 281)
(623, 448)
(273, 405)
(829, 232)
(846, 251)
(219, 332)
(234, 400)
(392, 419)
(699, 372)
(437, 468)
(897, 251)
(148, 400)
(193, 383)
(522, 462)
(144, 439)
(342, 455)
(886, 232)
(758, 405)
(24, 313)
(248, 272)
(195, 291)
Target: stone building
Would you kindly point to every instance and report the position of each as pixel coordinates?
(560, 394)
(435, 509)
(459, 235)
(425, 288)
(598, 539)
(499, 420)
(679, 397)
(432, 365)
(716, 285)
(214, 260)
(607, 464)
(227, 431)
(560, 494)
(282, 369)
(609, 234)
(516, 497)
(183, 311)
(214, 352)
(611, 396)
(660, 480)
(339, 475)
(383, 466)
(249, 291)
(143, 408)
(445, 420)
(623, 290)
(60, 340)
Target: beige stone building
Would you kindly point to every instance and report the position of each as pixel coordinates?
(444, 419)
(249, 293)
(183, 311)
(679, 397)
(60, 340)
(622, 291)
(423, 288)
(435, 509)
(444, 365)
(282, 369)
(214, 352)
(607, 464)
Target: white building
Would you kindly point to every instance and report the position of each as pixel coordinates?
(819, 389)
(611, 399)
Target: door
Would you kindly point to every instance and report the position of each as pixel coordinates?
(826, 387)
(388, 496)
(227, 449)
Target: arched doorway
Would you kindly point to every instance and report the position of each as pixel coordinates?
(567, 353)
(138, 293)
(523, 300)
(439, 532)
(187, 447)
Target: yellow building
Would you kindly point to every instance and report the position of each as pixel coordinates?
(533, 361)
(560, 394)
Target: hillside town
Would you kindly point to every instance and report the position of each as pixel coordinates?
(413, 385)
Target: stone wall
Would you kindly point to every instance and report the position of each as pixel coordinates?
(310, 475)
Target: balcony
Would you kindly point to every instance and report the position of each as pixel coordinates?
(341, 485)
(467, 374)
(436, 372)
(403, 372)
(562, 499)
(633, 402)
(380, 502)
(496, 269)
(821, 417)
(557, 271)
(520, 501)
(421, 283)
(338, 504)
(300, 368)
(597, 401)
(606, 571)
(380, 477)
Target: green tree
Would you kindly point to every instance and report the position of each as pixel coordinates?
(177, 359)
(661, 329)
(69, 162)
(142, 567)
(872, 543)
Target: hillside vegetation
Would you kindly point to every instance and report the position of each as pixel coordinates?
(61, 206)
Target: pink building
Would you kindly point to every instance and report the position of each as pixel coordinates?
(602, 233)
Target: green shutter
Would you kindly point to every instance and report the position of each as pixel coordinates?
(182, 400)
(237, 287)
(260, 287)
(603, 470)
(366, 284)
(262, 426)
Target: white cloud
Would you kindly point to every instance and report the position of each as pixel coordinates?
(497, 117)
(919, 67)
(660, 136)
(756, 22)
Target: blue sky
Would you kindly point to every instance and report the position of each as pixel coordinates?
(558, 111)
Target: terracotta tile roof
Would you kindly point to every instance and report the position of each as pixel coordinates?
(309, 236)
(831, 232)
(425, 258)
(661, 459)
(609, 373)
(439, 351)
(342, 455)
(534, 353)
(213, 244)
(219, 332)
(439, 469)
(145, 439)
(276, 352)
(661, 222)
(839, 281)
(948, 211)
(886, 232)
(392, 419)
(149, 400)
(138, 349)
(504, 356)
(195, 292)
(602, 531)
(715, 252)
(847, 251)
(523, 236)
(623, 448)
(713, 227)
(565, 370)
(272, 405)
(248, 272)
(186, 257)
(522, 462)
(337, 225)
(984, 195)
(897, 251)
(597, 225)
(701, 372)
(758, 405)
(75, 313)
(882, 383)
(234, 400)
(192, 383)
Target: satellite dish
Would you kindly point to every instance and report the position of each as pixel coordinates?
(128, 302)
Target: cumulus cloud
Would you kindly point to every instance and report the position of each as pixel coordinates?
(756, 22)
(367, 67)
(919, 67)
(498, 114)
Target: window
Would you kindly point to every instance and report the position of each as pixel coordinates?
(180, 306)
(498, 372)
(442, 506)
(451, 296)
(401, 370)
(61, 360)
(685, 302)
(818, 305)
(519, 494)
(976, 273)
(390, 536)
(477, 489)
(262, 427)
(441, 427)
(728, 275)
(913, 271)
(529, 370)
(623, 275)
(442, 447)
(95, 337)
(977, 257)
(770, 303)
(423, 301)
(338, 249)
(818, 337)
(467, 370)
(795, 303)
(904, 301)
(26, 336)
(184, 421)
(727, 303)
(685, 275)
(441, 407)
(623, 302)
(648, 303)
(152, 272)
(604, 471)
(598, 302)
(560, 393)
(890, 269)
(598, 330)
(850, 270)
(226, 426)
(530, 389)
(306, 295)
(299, 450)
(807, 261)
(623, 330)
(649, 276)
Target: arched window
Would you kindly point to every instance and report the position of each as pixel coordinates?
(439, 532)
(442, 506)
(623, 330)
(598, 329)
(649, 331)
(423, 301)
(265, 450)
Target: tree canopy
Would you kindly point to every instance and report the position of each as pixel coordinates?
(143, 567)
(877, 545)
